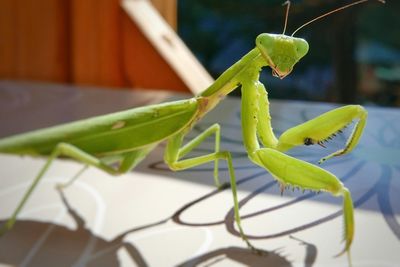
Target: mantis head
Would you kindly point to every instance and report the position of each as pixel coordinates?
(281, 52)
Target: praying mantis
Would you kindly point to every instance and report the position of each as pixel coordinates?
(125, 138)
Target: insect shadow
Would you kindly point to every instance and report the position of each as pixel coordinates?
(33, 243)
(49, 244)
(249, 258)
(239, 255)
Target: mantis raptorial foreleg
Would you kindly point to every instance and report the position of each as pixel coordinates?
(287, 170)
(325, 127)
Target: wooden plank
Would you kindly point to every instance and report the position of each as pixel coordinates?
(165, 41)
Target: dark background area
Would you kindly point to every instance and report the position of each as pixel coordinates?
(354, 55)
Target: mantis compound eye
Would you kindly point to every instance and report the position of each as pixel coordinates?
(301, 47)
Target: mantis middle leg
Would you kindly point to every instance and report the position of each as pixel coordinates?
(173, 157)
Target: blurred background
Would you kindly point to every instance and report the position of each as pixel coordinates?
(354, 55)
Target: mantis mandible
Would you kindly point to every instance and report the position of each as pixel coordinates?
(126, 137)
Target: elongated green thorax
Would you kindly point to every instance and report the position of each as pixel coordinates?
(278, 51)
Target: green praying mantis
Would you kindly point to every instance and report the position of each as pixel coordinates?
(116, 143)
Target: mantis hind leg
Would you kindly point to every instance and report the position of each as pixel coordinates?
(128, 161)
(73, 179)
(174, 153)
(63, 149)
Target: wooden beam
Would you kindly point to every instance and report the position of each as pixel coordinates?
(166, 42)
(168, 10)
(143, 66)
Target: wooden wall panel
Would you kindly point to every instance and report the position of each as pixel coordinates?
(33, 40)
(96, 42)
(8, 39)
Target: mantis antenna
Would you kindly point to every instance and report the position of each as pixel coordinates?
(330, 12)
(287, 15)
